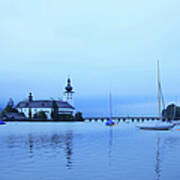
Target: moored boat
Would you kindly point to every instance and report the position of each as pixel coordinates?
(159, 125)
(2, 122)
(110, 123)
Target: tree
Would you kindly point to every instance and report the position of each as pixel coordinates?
(41, 115)
(54, 113)
(78, 117)
(11, 102)
(30, 113)
(9, 108)
(172, 111)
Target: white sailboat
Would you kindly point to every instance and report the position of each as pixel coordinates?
(160, 125)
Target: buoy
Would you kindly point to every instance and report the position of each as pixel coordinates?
(2, 122)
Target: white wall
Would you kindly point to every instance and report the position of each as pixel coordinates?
(65, 110)
(47, 110)
(34, 111)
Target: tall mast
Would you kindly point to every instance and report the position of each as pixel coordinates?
(110, 105)
(159, 90)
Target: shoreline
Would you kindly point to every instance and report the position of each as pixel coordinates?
(40, 121)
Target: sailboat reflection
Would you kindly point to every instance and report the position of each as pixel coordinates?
(157, 166)
(110, 145)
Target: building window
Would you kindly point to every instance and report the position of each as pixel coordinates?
(65, 112)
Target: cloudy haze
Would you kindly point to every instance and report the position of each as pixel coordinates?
(102, 45)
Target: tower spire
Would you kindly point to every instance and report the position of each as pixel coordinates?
(68, 92)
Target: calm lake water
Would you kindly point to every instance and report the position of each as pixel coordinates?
(86, 151)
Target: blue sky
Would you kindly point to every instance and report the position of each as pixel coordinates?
(103, 45)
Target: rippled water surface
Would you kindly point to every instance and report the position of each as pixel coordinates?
(86, 151)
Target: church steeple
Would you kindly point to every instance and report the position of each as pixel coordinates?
(69, 88)
(68, 92)
(30, 97)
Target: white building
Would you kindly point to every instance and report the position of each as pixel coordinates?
(31, 107)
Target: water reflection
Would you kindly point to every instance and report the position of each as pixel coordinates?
(110, 145)
(171, 142)
(68, 143)
(45, 143)
(157, 166)
(30, 142)
(164, 144)
(87, 152)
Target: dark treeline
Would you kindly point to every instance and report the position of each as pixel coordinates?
(171, 112)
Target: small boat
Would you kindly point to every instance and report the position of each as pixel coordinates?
(159, 125)
(2, 122)
(110, 123)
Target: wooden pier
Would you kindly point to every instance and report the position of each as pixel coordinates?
(128, 118)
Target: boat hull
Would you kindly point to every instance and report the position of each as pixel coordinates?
(110, 123)
(157, 128)
(2, 123)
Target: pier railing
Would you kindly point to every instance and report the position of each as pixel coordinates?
(128, 118)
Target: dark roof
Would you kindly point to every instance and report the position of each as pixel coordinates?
(43, 104)
(14, 115)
